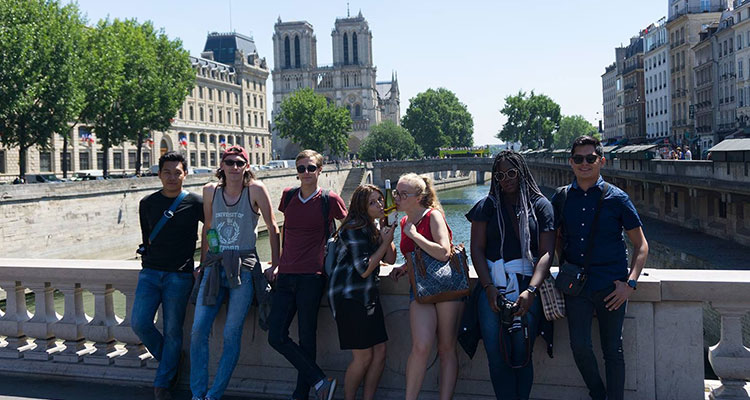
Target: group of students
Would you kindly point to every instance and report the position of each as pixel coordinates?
(514, 236)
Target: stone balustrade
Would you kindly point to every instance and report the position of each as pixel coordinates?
(663, 336)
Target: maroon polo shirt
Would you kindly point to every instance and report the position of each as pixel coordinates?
(304, 231)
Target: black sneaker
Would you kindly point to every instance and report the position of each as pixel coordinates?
(327, 390)
(161, 393)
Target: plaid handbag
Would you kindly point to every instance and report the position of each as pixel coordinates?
(553, 302)
(434, 281)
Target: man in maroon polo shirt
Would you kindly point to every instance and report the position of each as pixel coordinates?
(300, 280)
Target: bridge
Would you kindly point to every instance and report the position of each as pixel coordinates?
(70, 320)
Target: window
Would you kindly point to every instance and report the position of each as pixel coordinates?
(200, 113)
(213, 159)
(117, 160)
(200, 92)
(146, 160)
(210, 115)
(261, 121)
(230, 140)
(255, 101)
(675, 200)
(240, 141)
(346, 49)
(355, 51)
(287, 55)
(83, 160)
(203, 138)
(99, 160)
(255, 123)
(45, 161)
(203, 158)
(193, 157)
(236, 98)
(357, 111)
(297, 62)
(722, 208)
(210, 94)
(66, 160)
(192, 138)
(261, 101)
(131, 159)
(218, 95)
(212, 139)
(192, 113)
(229, 117)
(180, 114)
(236, 118)
(2, 162)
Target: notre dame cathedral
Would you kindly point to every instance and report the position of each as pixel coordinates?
(350, 82)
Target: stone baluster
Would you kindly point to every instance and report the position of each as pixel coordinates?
(11, 323)
(729, 358)
(40, 325)
(70, 327)
(99, 329)
(136, 352)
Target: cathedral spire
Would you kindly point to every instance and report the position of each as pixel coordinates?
(347, 10)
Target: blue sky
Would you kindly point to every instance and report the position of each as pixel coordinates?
(481, 50)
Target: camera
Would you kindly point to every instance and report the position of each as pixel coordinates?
(507, 309)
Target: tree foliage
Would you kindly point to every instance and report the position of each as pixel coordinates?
(137, 80)
(571, 127)
(307, 119)
(436, 118)
(532, 119)
(388, 141)
(40, 71)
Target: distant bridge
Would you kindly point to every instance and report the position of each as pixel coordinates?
(393, 169)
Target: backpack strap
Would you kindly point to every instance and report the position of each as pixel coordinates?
(326, 204)
(287, 198)
(560, 198)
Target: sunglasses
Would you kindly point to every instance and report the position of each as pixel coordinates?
(232, 163)
(590, 159)
(402, 195)
(309, 168)
(510, 174)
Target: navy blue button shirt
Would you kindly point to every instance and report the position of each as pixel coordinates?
(609, 259)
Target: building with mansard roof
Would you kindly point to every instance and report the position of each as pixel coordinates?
(349, 82)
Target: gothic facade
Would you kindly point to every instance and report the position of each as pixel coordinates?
(349, 82)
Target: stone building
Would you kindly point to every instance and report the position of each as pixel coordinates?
(726, 82)
(609, 101)
(656, 75)
(349, 82)
(686, 20)
(742, 59)
(705, 85)
(634, 92)
(227, 106)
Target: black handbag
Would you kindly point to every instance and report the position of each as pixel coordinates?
(572, 277)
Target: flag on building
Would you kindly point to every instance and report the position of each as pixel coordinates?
(183, 140)
(223, 143)
(257, 142)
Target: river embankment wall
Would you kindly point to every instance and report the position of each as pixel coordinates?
(99, 219)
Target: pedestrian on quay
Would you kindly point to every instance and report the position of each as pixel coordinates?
(425, 226)
(309, 212)
(230, 266)
(169, 229)
(590, 216)
(688, 153)
(512, 245)
(353, 289)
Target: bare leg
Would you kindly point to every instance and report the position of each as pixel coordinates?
(361, 360)
(423, 321)
(374, 372)
(448, 315)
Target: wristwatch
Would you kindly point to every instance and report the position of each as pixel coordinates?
(633, 284)
(531, 289)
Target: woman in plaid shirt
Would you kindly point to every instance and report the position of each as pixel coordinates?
(353, 289)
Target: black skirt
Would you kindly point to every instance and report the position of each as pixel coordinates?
(357, 329)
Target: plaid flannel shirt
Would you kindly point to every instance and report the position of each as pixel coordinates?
(353, 257)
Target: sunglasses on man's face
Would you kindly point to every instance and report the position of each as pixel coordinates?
(590, 159)
(309, 168)
(232, 163)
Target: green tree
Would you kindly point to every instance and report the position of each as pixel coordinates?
(531, 120)
(436, 118)
(307, 119)
(40, 70)
(388, 141)
(571, 127)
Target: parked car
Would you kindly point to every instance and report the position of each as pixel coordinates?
(200, 170)
(281, 163)
(42, 178)
(88, 175)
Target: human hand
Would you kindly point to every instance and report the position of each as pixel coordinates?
(270, 274)
(618, 296)
(410, 230)
(386, 233)
(525, 300)
(398, 272)
(492, 293)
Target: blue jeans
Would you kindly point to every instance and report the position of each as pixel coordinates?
(297, 294)
(172, 291)
(580, 310)
(240, 299)
(509, 383)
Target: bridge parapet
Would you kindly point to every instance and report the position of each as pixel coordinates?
(662, 332)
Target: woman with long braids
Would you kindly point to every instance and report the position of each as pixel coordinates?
(353, 290)
(425, 226)
(512, 244)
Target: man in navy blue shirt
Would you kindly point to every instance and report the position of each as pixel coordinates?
(609, 283)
